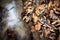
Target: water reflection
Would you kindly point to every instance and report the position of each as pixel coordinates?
(12, 14)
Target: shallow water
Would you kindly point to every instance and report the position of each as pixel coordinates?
(13, 19)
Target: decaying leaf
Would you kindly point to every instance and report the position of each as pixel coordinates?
(38, 26)
(35, 18)
(47, 32)
(44, 17)
(32, 29)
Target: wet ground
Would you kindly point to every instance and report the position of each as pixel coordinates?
(14, 21)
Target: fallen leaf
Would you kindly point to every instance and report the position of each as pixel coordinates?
(35, 18)
(32, 29)
(38, 26)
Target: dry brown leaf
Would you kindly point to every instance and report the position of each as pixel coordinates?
(35, 18)
(52, 15)
(32, 29)
(29, 9)
(50, 4)
(41, 7)
(24, 17)
(47, 32)
(27, 18)
(38, 26)
(56, 21)
(37, 12)
(58, 9)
